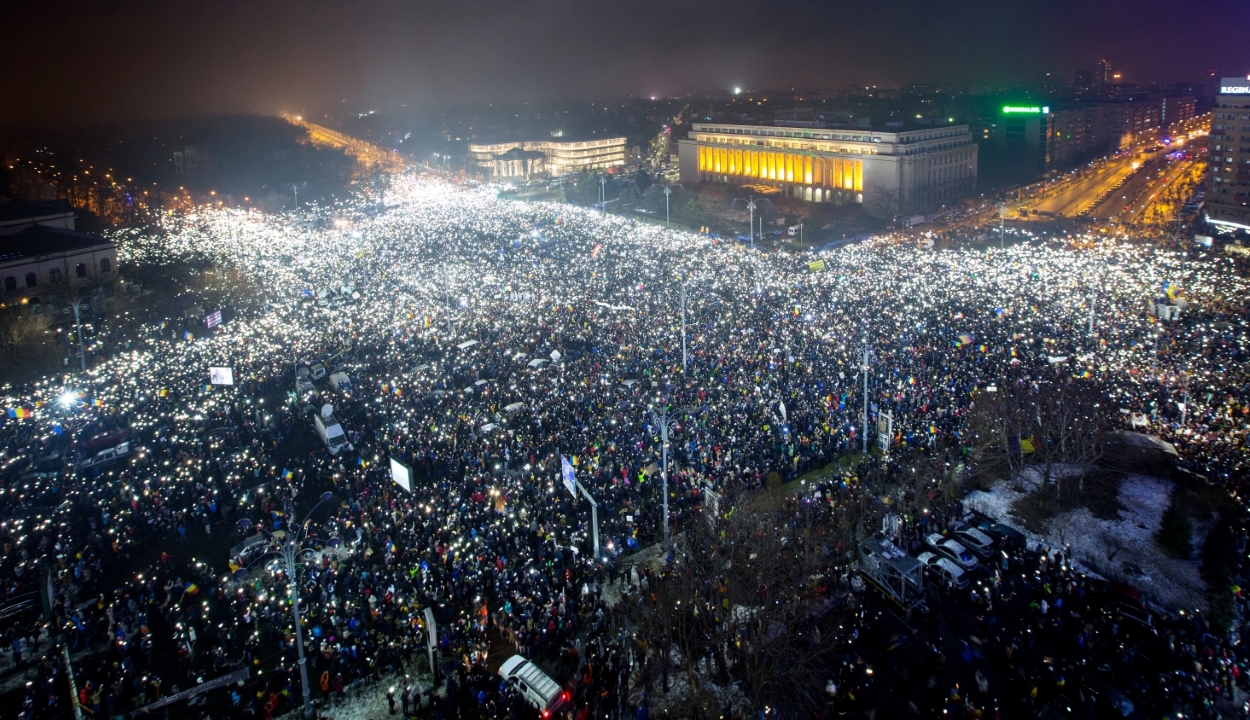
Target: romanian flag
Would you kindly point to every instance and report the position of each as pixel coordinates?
(186, 335)
(191, 588)
(287, 474)
(965, 339)
(427, 320)
(98, 402)
(1172, 290)
(19, 413)
(164, 392)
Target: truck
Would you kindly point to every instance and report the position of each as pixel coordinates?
(331, 433)
(341, 382)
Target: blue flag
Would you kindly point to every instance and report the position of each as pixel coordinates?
(566, 474)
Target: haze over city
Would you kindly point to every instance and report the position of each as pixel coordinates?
(161, 59)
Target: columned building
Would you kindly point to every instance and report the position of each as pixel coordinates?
(523, 159)
(1228, 162)
(889, 173)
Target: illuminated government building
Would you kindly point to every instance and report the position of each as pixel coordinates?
(525, 159)
(895, 172)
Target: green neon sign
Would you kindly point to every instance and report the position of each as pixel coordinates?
(1031, 110)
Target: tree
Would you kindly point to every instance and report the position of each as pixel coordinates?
(883, 202)
(1175, 535)
(20, 332)
(741, 603)
(1045, 433)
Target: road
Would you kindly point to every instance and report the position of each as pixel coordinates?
(1082, 194)
(1162, 198)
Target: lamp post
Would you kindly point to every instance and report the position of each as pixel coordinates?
(1093, 297)
(683, 329)
(1002, 225)
(80, 305)
(667, 419)
(603, 193)
(751, 207)
(865, 360)
(667, 191)
(290, 549)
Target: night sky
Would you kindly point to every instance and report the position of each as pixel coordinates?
(80, 62)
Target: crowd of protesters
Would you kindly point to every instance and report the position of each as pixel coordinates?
(486, 340)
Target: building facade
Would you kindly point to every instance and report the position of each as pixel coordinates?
(525, 159)
(41, 264)
(1228, 163)
(1178, 109)
(888, 172)
(1079, 131)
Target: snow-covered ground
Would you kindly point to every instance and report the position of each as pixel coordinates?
(367, 702)
(1103, 547)
(713, 697)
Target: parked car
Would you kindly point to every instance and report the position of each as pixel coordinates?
(1009, 536)
(106, 457)
(950, 574)
(1132, 613)
(1107, 700)
(952, 550)
(981, 544)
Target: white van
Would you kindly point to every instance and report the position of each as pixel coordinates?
(331, 433)
(540, 691)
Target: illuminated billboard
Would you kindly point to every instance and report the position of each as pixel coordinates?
(1235, 86)
(1027, 109)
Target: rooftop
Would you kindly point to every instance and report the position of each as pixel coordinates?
(38, 240)
(18, 210)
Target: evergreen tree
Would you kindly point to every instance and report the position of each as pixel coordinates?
(1175, 532)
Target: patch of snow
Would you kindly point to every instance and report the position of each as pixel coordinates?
(366, 702)
(1104, 548)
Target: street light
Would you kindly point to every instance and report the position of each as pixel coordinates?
(667, 419)
(683, 329)
(79, 306)
(290, 549)
(751, 207)
(667, 191)
(866, 358)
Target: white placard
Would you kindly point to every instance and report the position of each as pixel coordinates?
(401, 474)
(221, 375)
